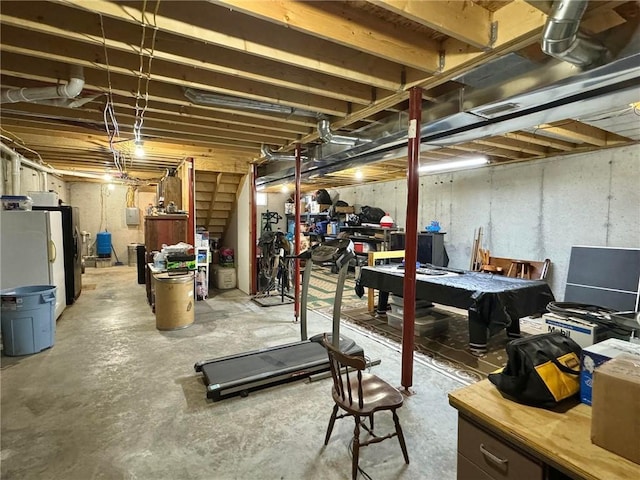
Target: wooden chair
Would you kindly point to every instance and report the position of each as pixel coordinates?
(532, 269)
(361, 395)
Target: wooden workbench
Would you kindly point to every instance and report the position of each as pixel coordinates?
(557, 440)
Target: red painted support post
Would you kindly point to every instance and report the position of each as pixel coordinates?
(296, 235)
(411, 237)
(252, 231)
(191, 175)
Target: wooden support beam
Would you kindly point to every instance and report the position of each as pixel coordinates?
(334, 22)
(540, 139)
(234, 31)
(468, 22)
(581, 132)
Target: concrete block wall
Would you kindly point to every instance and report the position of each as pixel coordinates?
(104, 209)
(533, 210)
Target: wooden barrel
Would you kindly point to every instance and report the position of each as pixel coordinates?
(175, 306)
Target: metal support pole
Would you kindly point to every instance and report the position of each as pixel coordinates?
(296, 236)
(411, 237)
(252, 232)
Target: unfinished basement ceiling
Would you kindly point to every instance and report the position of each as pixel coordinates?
(218, 80)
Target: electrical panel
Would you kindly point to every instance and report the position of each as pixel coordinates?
(132, 216)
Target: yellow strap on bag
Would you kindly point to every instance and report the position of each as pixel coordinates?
(560, 383)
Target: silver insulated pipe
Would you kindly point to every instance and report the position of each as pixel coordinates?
(560, 37)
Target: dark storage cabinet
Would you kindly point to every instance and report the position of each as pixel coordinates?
(164, 229)
(159, 230)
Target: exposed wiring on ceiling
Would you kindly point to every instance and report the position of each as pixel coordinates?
(23, 146)
(140, 111)
(609, 115)
(109, 113)
(12, 134)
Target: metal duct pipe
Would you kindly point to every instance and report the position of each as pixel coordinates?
(44, 177)
(69, 90)
(560, 37)
(325, 134)
(270, 155)
(202, 97)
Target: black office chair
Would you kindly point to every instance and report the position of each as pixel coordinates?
(361, 395)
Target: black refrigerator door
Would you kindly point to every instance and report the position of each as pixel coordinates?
(77, 253)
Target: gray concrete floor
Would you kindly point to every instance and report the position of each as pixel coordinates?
(117, 399)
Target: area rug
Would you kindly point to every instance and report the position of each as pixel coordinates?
(446, 351)
(322, 291)
(450, 344)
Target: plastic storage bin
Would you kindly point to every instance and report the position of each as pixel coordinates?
(16, 202)
(224, 278)
(28, 319)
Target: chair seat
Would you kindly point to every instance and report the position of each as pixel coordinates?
(360, 395)
(378, 395)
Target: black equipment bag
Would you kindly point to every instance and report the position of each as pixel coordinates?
(541, 370)
(323, 197)
(371, 214)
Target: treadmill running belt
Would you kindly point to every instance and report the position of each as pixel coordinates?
(263, 363)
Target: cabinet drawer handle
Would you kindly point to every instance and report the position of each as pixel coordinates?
(495, 459)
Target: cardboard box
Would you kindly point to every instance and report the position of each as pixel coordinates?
(615, 416)
(596, 355)
(347, 209)
(582, 332)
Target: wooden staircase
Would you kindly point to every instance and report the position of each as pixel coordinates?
(216, 196)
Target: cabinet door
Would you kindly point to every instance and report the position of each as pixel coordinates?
(169, 231)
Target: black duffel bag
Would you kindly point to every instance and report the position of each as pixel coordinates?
(541, 370)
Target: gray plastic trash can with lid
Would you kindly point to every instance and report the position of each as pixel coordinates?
(28, 319)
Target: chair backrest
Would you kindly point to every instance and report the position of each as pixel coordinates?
(343, 368)
(539, 269)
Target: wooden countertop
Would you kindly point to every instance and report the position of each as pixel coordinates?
(561, 439)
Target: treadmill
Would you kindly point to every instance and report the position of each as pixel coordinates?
(242, 373)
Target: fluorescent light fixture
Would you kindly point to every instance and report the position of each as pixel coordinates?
(139, 149)
(455, 165)
(359, 175)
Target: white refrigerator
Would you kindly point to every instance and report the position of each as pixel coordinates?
(31, 251)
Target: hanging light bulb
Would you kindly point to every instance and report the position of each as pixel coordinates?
(139, 149)
(111, 186)
(359, 175)
(107, 177)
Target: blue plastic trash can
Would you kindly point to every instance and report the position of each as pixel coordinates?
(28, 319)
